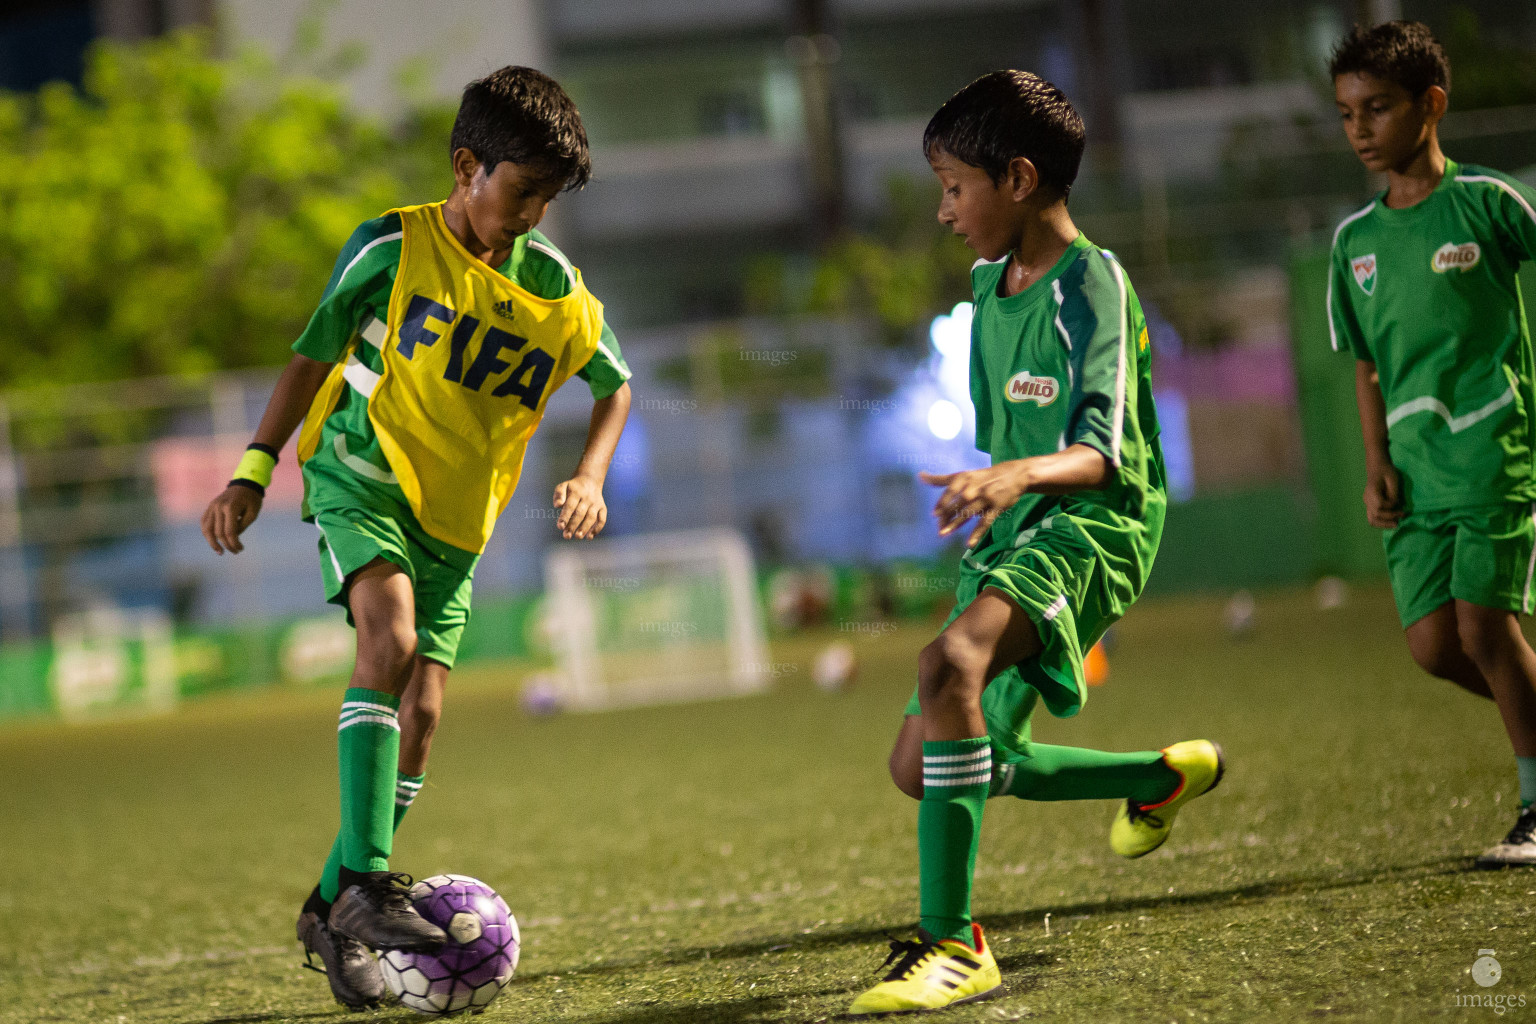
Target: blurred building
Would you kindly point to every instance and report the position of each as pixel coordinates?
(726, 130)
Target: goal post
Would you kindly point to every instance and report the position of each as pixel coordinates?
(657, 618)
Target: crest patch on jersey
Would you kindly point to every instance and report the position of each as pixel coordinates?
(1025, 387)
(1365, 272)
(1451, 256)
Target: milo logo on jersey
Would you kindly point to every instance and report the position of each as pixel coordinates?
(1451, 256)
(1025, 387)
(1365, 272)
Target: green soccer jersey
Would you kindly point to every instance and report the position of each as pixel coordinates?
(1064, 362)
(1429, 295)
(348, 469)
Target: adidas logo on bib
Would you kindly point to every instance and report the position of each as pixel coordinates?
(506, 309)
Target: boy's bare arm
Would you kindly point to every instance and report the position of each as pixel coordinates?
(1383, 487)
(990, 492)
(233, 511)
(583, 513)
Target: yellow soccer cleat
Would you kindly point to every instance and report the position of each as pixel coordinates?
(930, 975)
(1141, 828)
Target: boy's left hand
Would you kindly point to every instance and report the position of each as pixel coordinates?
(987, 493)
(583, 513)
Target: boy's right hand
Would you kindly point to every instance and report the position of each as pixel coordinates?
(228, 516)
(1383, 497)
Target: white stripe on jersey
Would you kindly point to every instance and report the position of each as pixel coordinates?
(557, 256)
(392, 237)
(360, 377)
(1066, 339)
(1490, 180)
(1333, 334)
(1429, 403)
(1125, 329)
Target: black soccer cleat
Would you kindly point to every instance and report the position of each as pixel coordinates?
(377, 912)
(1518, 848)
(354, 974)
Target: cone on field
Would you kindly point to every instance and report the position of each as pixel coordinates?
(1096, 665)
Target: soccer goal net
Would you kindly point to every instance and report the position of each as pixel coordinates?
(655, 619)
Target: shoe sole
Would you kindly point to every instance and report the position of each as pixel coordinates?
(1489, 864)
(1221, 769)
(992, 993)
(384, 947)
(311, 951)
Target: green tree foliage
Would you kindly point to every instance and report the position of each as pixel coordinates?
(180, 212)
(899, 274)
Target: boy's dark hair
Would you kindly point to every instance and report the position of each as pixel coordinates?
(1009, 114)
(523, 115)
(1405, 53)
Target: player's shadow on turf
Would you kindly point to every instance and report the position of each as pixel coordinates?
(771, 1007)
(801, 942)
(258, 1018)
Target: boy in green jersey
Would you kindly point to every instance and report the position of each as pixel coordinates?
(402, 295)
(1069, 517)
(1422, 291)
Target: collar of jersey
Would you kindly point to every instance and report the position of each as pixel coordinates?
(1010, 305)
(441, 225)
(1452, 168)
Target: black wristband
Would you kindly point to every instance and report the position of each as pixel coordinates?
(257, 446)
(252, 484)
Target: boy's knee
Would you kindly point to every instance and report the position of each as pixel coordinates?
(951, 671)
(1441, 659)
(907, 775)
(422, 712)
(386, 651)
(1484, 634)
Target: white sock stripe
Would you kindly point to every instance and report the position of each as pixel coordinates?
(956, 769)
(385, 708)
(402, 802)
(975, 755)
(352, 716)
(369, 719)
(952, 782)
(404, 784)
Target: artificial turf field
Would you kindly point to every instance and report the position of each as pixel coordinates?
(741, 861)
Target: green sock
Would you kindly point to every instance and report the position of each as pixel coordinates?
(406, 788)
(368, 747)
(1076, 773)
(1526, 766)
(956, 776)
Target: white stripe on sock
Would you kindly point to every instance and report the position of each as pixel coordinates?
(943, 782)
(367, 719)
(975, 755)
(368, 704)
(352, 716)
(954, 769)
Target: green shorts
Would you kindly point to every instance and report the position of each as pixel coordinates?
(1074, 578)
(440, 574)
(1482, 555)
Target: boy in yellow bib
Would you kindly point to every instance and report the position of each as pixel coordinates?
(420, 378)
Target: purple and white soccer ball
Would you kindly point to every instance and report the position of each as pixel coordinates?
(475, 965)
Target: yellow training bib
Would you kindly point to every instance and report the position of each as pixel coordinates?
(470, 359)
